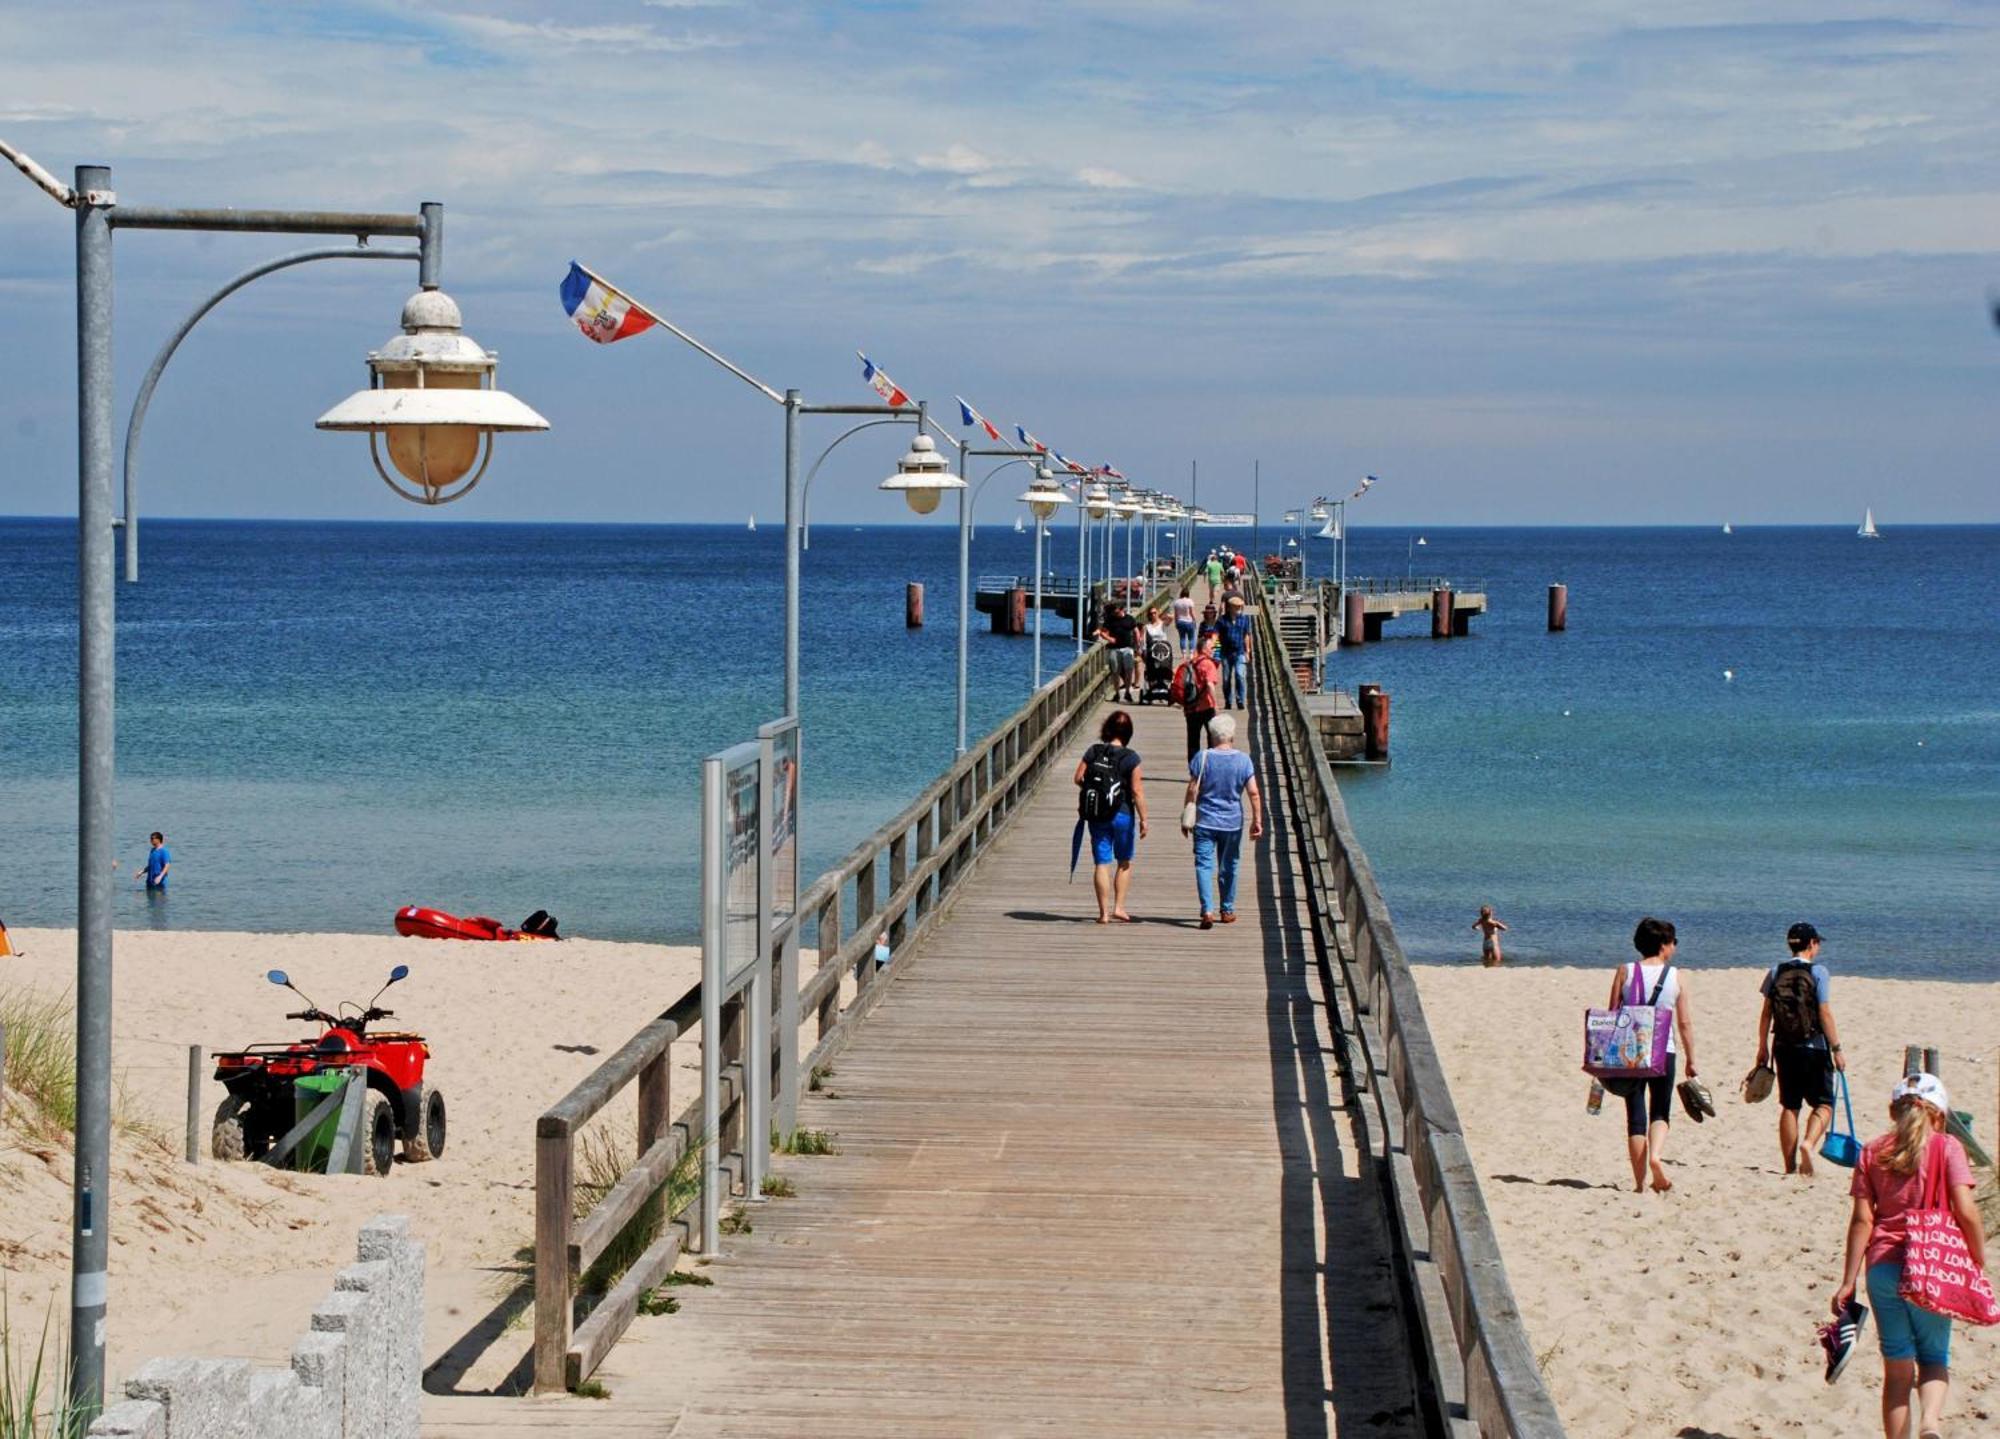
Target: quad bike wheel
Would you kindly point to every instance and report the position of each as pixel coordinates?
(424, 1133)
(378, 1134)
(229, 1139)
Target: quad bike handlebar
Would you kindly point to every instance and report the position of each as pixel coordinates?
(320, 1016)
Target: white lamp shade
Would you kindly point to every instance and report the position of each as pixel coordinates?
(922, 476)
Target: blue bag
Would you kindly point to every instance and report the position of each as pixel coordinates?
(1838, 1148)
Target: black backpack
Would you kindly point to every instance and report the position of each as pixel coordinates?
(1103, 783)
(1795, 1004)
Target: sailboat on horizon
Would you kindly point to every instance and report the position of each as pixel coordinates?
(753, 524)
(1727, 528)
(1020, 526)
(1868, 530)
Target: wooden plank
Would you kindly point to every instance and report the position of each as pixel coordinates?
(615, 1313)
(622, 1201)
(554, 1195)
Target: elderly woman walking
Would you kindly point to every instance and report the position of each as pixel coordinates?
(1222, 788)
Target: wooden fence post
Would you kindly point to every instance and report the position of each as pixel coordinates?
(553, 1200)
(194, 1105)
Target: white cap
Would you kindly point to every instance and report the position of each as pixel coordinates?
(1927, 1087)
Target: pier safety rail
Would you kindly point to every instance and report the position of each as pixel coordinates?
(895, 881)
(1471, 1339)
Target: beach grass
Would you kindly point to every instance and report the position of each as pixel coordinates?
(34, 1397)
(808, 1141)
(41, 1058)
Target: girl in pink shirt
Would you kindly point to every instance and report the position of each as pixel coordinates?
(1888, 1184)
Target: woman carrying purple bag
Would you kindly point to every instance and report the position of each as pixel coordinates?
(1649, 1105)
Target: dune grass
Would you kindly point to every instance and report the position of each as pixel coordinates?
(34, 1392)
(41, 1059)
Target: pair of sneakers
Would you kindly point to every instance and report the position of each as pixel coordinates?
(1841, 1337)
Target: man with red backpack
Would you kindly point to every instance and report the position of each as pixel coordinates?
(1197, 689)
(1797, 1035)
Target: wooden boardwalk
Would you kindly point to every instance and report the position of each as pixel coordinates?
(1088, 1180)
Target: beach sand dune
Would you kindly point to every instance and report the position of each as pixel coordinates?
(1691, 1313)
(229, 1259)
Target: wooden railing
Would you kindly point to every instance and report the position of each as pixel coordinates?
(1472, 1349)
(897, 881)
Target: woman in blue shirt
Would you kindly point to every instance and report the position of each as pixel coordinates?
(1112, 840)
(1222, 786)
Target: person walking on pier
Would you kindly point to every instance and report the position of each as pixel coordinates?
(1197, 689)
(1233, 630)
(1112, 803)
(1119, 632)
(1649, 1106)
(1214, 572)
(1796, 1030)
(1222, 787)
(1184, 616)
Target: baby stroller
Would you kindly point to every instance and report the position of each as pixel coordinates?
(1159, 672)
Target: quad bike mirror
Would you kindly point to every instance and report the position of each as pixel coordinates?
(401, 971)
(278, 976)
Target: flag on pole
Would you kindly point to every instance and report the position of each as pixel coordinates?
(1067, 463)
(970, 416)
(1030, 441)
(881, 384)
(1109, 473)
(602, 313)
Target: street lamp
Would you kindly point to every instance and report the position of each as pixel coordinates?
(1043, 499)
(437, 447)
(922, 476)
(431, 392)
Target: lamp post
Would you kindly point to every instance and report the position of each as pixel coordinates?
(1096, 502)
(1043, 499)
(447, 414)
(967, 499)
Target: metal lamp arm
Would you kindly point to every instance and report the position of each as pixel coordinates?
(805, 490)
(144, 399)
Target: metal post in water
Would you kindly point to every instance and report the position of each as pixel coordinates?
(96, 748)
(1558, 608)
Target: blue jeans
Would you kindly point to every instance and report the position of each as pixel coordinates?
(1215, 855)
(1186, 628)
(1235, 680)
(1906, 1331)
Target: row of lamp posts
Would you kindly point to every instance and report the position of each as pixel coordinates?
(430, 410)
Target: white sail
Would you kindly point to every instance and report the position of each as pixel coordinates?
(1020, 527)
(753, 524)
(1868, 530)
(1727, 528)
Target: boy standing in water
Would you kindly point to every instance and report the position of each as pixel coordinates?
(1490, 930)
(158, 864)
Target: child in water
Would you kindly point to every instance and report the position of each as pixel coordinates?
(1490, 930)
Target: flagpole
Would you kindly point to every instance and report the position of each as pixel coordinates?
(668, 325)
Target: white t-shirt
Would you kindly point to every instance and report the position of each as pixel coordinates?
(1184, 610)
(1670, 992)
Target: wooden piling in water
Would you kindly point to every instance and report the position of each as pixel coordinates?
(1558, 608)
(1375, 723)
(1441, 614)
(913, 605)
(1354, 628)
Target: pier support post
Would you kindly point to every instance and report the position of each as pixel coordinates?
(1441, 614)
(1558, 608)
(1354, 629)
(1017, 611)
(913, 605)
(1374, 721)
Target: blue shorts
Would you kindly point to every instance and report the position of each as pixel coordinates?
(1113, 839)
(1906, 1331)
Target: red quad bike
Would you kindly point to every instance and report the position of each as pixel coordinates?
(260, 1108)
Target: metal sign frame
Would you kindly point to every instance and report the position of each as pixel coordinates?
(783, 760)
(721, 782)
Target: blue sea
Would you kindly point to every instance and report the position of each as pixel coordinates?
(332, 720)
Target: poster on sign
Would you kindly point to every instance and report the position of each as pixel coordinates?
(743, 858)
(781, 770)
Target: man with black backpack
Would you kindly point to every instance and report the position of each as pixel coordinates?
(1797, 1035)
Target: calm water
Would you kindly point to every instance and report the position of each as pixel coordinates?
(333, 720)
(1849, 772)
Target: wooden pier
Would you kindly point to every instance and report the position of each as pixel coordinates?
(1133, 1179)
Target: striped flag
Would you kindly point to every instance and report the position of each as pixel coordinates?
(1108, 472)
(881, 384)
(602, 313)
(1030, 441)
(970, 416)
(1066, 462)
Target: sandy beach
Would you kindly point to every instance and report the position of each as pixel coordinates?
(1691, 1314)
(220, 1259)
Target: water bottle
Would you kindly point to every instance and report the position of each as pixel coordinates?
(1596, 1104)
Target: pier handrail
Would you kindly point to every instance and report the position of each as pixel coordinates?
(1410, 584)
(1475, 1355)
(919, 858)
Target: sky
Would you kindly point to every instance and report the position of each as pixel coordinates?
(1583, 262)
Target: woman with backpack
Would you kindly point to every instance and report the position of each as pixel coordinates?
(1914, 1167)
(1111, 802)
(1197, 689)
